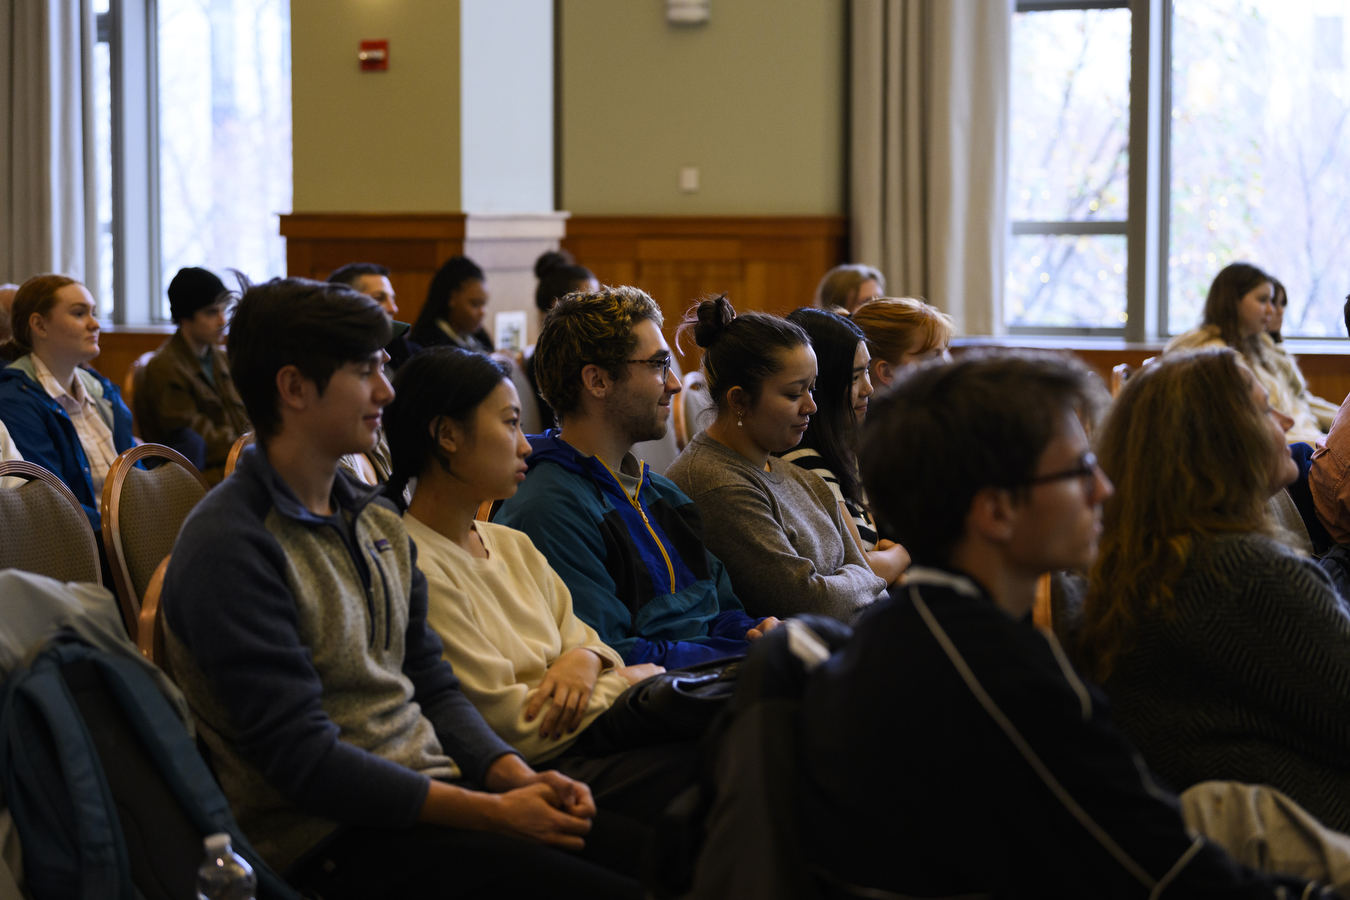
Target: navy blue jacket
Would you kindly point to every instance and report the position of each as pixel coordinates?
(638, 571)
(45, 435)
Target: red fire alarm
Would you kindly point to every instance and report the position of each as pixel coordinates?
(374, 56)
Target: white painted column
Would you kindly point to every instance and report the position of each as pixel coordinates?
(506, 128)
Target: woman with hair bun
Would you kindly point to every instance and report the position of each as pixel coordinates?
(1238, 310)
(559, 275)
(776, 527)
(828, 448)
(900, 332)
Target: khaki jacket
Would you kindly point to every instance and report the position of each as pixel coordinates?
(174, 393)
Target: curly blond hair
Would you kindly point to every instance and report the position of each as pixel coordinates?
(586, 328)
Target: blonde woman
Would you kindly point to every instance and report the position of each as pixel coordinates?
(845, 288)
(1225, 653)
(902, 331)
(1238, 311)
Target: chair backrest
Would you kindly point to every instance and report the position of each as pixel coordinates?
(143, 510)
(131, 382)
(46, 528)
(150, 629)
(1119, 375)
(233, 459)
(677, 421)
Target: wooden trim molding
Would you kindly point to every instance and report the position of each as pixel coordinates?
(1325, 364)
(373, 226)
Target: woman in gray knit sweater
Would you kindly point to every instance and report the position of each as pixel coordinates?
(1225, 653)
(776, 527)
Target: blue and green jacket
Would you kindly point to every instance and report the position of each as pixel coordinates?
(638, 570)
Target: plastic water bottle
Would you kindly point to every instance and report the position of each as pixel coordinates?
(224, 876)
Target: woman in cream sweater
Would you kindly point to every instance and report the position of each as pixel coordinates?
(1238, 308)
(538, 674)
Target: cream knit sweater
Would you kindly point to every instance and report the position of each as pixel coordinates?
(504, 620)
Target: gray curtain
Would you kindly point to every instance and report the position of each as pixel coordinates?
(48, 199)
(928, 166)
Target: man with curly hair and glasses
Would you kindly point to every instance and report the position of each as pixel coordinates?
(627, 542)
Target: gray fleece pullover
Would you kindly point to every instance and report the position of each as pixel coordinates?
(302, 645)
(779, 533)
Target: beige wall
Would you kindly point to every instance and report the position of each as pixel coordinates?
(754, 99)
(376, 142)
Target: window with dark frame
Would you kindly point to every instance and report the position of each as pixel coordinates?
(1153, 143)
(1069, 162)
(192, 147)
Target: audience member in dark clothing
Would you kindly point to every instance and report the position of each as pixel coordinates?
(456, 306)
(372, 280)
(186, 398)
(951, 749)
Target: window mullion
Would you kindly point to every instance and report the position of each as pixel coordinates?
(1146, 263)
(136, 279)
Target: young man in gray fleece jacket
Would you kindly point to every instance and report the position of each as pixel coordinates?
(297, 629)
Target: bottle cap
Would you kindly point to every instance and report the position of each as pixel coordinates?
(218, 844)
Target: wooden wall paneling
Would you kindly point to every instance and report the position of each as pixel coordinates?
(1328, 376)
(119, 347)
(413, 246)
(771, 264)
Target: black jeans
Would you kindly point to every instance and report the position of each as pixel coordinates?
(432, 862)
(638, 784)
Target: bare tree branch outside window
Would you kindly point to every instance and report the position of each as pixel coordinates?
(225, 134)
(1069, 163)
(1261, 154)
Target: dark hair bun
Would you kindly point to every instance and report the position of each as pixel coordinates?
(552, 260)
(714, 315)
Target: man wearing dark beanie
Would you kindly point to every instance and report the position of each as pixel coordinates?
(185, 398)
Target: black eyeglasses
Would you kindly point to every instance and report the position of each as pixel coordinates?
(1087, 471)
(663, 364)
